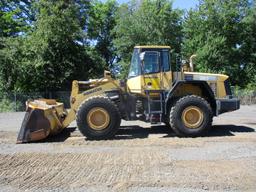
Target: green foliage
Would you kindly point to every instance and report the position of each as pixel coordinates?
(46, 44)
(54, 53)
(15, 17)
(248, 48)
(10, 62)
(217, 31)
(153, 22)
(9, 105)
(54, 56)
(6, 105)
(101, 23)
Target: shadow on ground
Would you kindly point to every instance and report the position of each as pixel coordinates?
(228, 130)
(133, 132)
(137, 132)
(62, 136)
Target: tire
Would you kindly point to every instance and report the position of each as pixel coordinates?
(167, 124)
(191, 116)
(98, 118)
(167, 118)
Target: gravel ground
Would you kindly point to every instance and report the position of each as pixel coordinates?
(140, 159)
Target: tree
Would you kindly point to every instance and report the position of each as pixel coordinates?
(46, 44)
(10, 58)
(15, 17)
(54, 53)
(102, 19)
(144, 23)
(248, 47)
(214, 31)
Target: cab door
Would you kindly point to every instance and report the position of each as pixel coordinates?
(156, 70)
(150, 69)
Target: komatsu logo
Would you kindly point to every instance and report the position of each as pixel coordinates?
(92, 91)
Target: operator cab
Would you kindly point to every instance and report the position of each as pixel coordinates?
(150, 69)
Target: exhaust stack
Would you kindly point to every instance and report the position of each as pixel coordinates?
(191, 65)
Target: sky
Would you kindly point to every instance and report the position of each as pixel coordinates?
(182, 4)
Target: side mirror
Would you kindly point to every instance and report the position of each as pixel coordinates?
(183, 62)
(107, 74)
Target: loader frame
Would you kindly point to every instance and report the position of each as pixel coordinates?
(97, 87)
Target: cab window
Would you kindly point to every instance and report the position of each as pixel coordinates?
(135, 68)
(166, 60)
(151, 62)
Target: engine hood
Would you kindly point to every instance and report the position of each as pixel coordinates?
(205, 76)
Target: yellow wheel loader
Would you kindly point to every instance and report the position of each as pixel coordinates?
(184, 100)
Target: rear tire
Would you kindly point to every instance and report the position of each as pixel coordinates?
(98, 118)
(191, 116)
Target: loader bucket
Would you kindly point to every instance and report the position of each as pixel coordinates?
(43, 118)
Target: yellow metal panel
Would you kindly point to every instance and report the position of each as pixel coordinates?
(70, 117)
(209, 77)
(75, 88)
(221, 91)
(152, 46)
(79, 98)
(167, 80)
(161, 80)
(134, 84)
(155, 81)
(220, 77)
(188, 89)
(151, 82)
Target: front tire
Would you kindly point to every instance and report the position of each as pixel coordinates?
(191, 116)
(98, 118)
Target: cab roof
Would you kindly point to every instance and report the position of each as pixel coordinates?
(152, 46)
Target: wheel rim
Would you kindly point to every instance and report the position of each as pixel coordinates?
(98, 118)
(192, 117)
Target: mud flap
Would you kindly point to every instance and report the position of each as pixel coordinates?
(35, 126)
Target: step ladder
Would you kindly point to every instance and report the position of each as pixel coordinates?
(160, 101)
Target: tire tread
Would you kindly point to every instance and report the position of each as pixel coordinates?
(177, 105)
(101, 99)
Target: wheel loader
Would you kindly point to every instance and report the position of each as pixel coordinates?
(186, 101)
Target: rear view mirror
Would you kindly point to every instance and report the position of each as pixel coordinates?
(183, 62)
